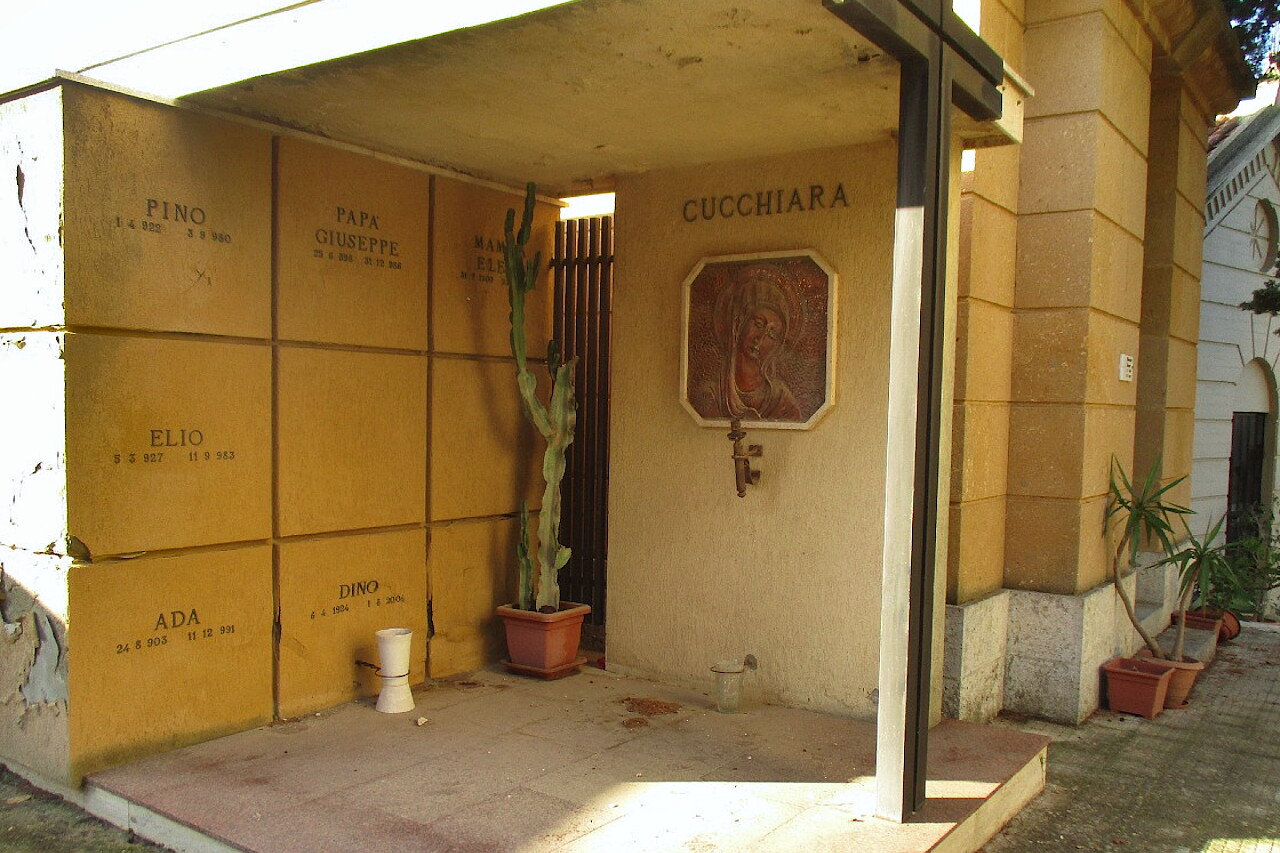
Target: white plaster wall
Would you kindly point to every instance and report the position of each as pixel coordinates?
(31, 166)
(33, 518)
(33, 523)
(1230, 339)
(33, 477)
(791, 572)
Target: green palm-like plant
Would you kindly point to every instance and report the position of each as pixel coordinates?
(1201, 563)
(1140, 514)
(1255, 566)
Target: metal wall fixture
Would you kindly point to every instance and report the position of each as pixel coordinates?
(743, 475)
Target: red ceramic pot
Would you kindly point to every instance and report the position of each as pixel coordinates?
(1183, 677)
(544, 644)
(1136, 686)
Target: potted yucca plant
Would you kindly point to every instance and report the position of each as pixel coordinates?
(1141, 512)
(543, 632)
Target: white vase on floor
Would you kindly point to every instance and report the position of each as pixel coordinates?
(393, 653)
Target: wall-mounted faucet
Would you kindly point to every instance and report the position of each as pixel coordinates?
(742, 473)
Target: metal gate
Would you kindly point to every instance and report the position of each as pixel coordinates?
(1244, 483)
(583, 266)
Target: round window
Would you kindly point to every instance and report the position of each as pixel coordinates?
(1265, 233)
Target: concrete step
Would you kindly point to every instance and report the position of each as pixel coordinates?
(1201, 645)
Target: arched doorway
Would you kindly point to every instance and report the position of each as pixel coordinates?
(1252, 448)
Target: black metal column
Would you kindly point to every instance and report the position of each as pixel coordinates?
(924, 127)
(942, 62)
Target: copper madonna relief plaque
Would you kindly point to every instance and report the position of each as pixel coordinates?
(759, 340)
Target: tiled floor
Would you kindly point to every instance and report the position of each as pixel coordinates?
(508, 763)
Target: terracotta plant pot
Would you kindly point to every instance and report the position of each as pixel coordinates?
(1136, 686)
(1230, 626)
(544, 644)
(1201, 621)
(1184, 675)
(1230, 622)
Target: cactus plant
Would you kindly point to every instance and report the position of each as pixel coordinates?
(554, 420)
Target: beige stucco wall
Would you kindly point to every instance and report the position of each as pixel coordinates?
(791, 572)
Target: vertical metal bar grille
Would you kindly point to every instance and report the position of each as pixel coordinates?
(583, 266)
(1244, 483)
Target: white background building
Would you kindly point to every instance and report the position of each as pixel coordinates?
(1235, 446)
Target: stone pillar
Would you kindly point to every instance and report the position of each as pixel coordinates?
(985, 323)
(1079, 272)
(1076, 314)
(977, 610)
(1171, 286)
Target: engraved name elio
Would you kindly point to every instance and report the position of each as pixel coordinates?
(176, 438)
(160, 438)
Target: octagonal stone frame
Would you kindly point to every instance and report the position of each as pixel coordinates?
(800, 287)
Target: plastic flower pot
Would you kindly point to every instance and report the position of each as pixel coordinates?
(393, 653)
(1136, 686)
(1184, 675)
(544, 644)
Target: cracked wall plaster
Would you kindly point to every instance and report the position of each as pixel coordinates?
(36, 665)
(35, 735)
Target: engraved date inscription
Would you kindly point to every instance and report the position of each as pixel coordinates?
(368, 591)
(192, 440)
(181, 219)
(167, 625)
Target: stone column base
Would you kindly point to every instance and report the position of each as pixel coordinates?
(974, 659)
(1058, 643)
(1040, 653)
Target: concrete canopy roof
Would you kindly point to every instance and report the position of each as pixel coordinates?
(572, 95)
(1195, 41)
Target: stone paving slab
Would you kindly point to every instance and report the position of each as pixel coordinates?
(1203, 779)
(595, 762)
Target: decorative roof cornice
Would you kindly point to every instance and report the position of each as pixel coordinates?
(1239, 160)
(1193, 40)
